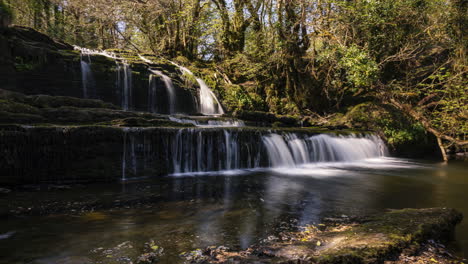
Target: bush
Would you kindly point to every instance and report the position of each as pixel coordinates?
(6, 15)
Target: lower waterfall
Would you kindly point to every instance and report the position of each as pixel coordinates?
(199, 150)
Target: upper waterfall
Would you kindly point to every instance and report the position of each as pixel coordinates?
(86, 74)
(209, 103)
(170, 90)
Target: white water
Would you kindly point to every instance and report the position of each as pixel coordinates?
(209, 104)
(125, 84)
(170, 91)
(152, 94)
(291, 151)
(85, 51)
(86, 75)
(124, 81)
(129, 160)
(209, 123)
(195, 150)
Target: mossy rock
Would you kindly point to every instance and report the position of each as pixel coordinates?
(141, 122)
(372, 239)
(405, 136)
(265, 117)
(45, 101)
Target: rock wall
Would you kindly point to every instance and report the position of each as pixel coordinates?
(31, 63)
(99, 153)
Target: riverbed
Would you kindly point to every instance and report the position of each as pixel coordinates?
(231, 208)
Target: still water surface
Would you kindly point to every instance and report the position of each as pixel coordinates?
(234, 209)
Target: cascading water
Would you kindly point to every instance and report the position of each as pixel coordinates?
(172, 102)
(86, 74)
(152, 95)
(291, 151)
(209, 103)
(201, 150)
(209, 123)
(198, 150)
(124, 84)
(129, 159)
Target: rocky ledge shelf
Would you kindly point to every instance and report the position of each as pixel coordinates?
(397, 236)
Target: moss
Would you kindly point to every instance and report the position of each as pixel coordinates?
(44, 101)
(373, 239)
(6, 14)
(404, 135)
(15, 107)
(20, 118)
(265, 117)
(384, 235)
(141, 122)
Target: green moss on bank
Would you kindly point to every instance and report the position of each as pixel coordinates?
(341, 241)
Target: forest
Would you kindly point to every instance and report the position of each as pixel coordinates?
(316, 59)
(233, 131)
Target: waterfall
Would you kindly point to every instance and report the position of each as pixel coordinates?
(152, 95)
(278, 151)
(291, 151)
(124, 84)
(171, 93)
(209, 123)
(86, 74)
(129, 157)
(209, 103)
(198, 150)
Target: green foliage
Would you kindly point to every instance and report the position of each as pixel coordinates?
(361, 70)
(23, 65)
(291, 57)
(397, 128)
(5, 11)
(237, 98)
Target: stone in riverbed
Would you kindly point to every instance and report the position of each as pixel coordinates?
(4, 191)
(371, 240)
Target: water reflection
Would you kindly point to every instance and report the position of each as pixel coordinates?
(234, 210)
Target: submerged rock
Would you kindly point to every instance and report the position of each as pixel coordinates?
(371, 240)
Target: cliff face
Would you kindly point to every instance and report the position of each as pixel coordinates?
(95, 153)
(32, 63)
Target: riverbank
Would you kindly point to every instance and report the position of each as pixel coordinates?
(394, 236)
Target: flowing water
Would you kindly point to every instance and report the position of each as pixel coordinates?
(232, 208)
(224, 186)
(124, 84)
(172, 100)
(208, 123)
(227, 188)
(209, 104)
(86, 75)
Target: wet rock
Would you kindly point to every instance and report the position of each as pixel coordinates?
(4, 191)
(118, 254)
(195, 256)
(375, 239)
(7, 235)
(69, 260)
(148, 258)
